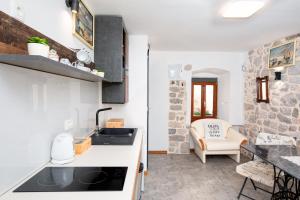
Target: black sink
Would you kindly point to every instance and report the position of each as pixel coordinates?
(114, 136)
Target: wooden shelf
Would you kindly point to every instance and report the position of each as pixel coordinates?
(47, 65)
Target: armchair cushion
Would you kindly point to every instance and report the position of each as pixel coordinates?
(199, 125)
(213, 130)
(221, 145)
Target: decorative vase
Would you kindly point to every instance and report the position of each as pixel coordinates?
(38, 49)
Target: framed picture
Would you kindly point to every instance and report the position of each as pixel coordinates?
(282, 55)
(83, 25)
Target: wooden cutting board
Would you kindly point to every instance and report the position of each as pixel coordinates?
(115, 123)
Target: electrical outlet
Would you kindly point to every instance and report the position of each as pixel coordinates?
(69, 124)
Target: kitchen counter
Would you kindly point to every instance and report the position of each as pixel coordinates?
(96, 156)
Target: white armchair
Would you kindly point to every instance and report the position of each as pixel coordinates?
(229, 145)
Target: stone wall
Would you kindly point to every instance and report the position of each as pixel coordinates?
(178, 133)
(281, 115)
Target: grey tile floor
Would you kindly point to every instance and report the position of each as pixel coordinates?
(185, 177)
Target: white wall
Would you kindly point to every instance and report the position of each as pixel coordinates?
(34, 106)
(52, 18)
(135, 111)
(224, 96)
(159, 94)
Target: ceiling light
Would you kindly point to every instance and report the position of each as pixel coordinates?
(242, 8)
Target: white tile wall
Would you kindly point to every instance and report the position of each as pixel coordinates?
(33, 108)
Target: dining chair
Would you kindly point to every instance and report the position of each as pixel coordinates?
(258, 170)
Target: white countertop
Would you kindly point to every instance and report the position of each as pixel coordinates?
(98, 155)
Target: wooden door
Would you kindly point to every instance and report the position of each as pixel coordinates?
(204, 100)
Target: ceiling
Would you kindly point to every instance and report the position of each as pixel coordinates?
(196, 25)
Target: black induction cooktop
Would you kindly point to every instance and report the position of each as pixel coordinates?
(76, 179)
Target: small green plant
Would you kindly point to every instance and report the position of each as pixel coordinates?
(38, 40)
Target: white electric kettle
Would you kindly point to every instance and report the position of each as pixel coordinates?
(62, 151)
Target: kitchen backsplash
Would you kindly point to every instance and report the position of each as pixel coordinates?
(34, 107)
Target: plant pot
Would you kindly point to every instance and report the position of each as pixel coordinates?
(38, 49)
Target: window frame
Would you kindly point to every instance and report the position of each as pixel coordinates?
(203, 100)
(259, 89)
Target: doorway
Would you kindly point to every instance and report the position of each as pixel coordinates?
(204, 98)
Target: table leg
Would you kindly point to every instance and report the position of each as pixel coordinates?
(286, 186)
(298, 188)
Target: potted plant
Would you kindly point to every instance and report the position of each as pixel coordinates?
(38, 46)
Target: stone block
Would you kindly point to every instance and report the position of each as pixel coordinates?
(185, 148)
(282, 128)
(175, 107)
(252, 119)
(248, 106)
(174, 89)
(264, 106)
(171, 150)
(182, 84)
(284, 87)
(263, 114)
(177, 138)
(275, 94)
(173, 144)
(180, 119)
(264, 72)
(285, 111)
(172, 124)
(288, 100)
(274, 109)
(257, 61)
(284, 119)
(294, 79)
(272, 115)
(172, 131)
(181, 95)
(175, 124)
(268, 130)
(294, 70)
(172, 115)
(172, 95)
(293, 128)
(273, 124)
(175, 101)
(182, 131)
(266, 122)
(274, 102)
(295, 113)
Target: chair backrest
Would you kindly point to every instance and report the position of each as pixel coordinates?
(199, 125)
(272, 139)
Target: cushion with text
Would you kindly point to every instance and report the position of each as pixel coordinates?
(214, 130)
